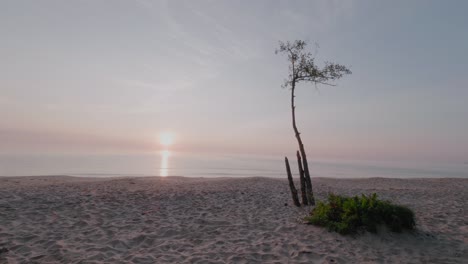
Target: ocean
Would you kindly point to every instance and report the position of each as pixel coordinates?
(166, 163)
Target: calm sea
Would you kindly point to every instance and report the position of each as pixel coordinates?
(200, 165)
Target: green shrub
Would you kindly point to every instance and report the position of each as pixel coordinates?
(347, 215)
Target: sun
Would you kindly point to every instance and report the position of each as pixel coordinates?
(166, 139)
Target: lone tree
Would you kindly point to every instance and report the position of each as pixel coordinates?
(302, 68)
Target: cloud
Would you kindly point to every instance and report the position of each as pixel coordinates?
(317, 15)
(14, 140)
(146, 4)
(195, 27)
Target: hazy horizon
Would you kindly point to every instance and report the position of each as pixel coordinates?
(108, 77)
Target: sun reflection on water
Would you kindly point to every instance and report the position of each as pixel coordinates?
(164, 169)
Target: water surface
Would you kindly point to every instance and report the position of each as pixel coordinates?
(166, 163)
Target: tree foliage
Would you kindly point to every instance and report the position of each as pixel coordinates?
(303, 68)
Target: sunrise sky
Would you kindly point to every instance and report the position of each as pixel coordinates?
(112, 76)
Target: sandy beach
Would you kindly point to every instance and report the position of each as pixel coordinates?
(60, 219)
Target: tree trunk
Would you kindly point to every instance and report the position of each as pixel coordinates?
(301, 176)
(291, 184)
(308, 181)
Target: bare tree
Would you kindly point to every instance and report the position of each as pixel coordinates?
(302, 68)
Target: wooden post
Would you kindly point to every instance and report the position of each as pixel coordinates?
(303, 182)
(310, 193)
(291, 184)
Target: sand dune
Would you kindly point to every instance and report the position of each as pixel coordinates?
(224, 220)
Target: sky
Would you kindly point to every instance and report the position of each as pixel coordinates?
(98, 76)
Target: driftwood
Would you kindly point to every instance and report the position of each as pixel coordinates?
(291, 184)
(302, 178)
(310, 193)
(308, 183)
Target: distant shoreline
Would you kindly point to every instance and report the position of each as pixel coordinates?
(125, 176)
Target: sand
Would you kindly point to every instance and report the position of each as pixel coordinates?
(59, 219)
